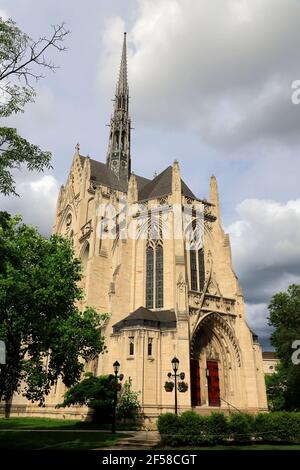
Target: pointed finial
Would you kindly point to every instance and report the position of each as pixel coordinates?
(122, 86)
(214, 195)
(155, 174)
(77, 147)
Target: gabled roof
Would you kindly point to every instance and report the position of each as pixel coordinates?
(147, 189)
(162, 319)
(162, 185)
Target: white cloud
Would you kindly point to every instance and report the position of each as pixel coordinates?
(265, 243)
(221, 68)
(266, 247)
(37, 201)
(3, 14)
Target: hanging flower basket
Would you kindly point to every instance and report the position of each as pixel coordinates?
(169, 386)
(182, 387)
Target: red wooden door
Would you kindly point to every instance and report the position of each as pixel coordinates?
(213, 383)
(195, 383)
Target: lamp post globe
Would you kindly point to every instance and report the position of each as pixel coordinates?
(175, 364)
(116, 366)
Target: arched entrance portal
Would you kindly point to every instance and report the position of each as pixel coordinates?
(214, 361)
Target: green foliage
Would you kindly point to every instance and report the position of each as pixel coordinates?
(96, 392)
(282, 426)
(240, 427)
(191, 429)
(45, 334)
(218, 428)
(128, 406)
(21, 58)
(276, 386)
(168, 427)
(169, 386)
(284, 311)
(15, 151)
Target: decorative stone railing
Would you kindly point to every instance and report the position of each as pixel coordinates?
(211, 303)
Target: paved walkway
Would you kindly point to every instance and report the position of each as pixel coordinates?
(139, 440)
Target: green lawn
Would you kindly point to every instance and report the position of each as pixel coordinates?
(51, 423)
(47, 434)
(237, 447)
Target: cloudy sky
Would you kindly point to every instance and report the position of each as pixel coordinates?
(211, 85)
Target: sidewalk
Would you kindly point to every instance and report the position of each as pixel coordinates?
(140, 440)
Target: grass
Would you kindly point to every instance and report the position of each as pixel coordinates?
(56, 434)
(240, 447)
(52, 423)
(22, 440)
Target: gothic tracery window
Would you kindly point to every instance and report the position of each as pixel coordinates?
(154, 275)
(159, 277)
(131, 345)
(150, 344)
(197, 269)
(193, 263)
(149, 276)
(201, 268)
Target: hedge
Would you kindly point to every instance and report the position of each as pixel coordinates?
(192, 429)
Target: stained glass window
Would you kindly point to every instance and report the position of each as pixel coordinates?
(149, 277)
(193, 263)
(159, 277)
(150, 343)
(131, 345)
(201, 267)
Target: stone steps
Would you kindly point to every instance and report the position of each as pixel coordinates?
(141, 440)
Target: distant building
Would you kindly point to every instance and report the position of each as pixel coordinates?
(270, 361)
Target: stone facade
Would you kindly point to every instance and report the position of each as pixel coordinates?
(164, 298)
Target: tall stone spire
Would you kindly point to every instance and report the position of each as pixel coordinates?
(118, 154)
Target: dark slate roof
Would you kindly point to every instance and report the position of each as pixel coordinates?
(162, 185)
(101, 174)
(269, 355)
(147, 189)
(162, 319)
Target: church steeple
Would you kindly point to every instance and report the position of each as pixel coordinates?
(118, 154)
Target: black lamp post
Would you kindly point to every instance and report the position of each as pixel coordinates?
(175, 365)
(116, 367)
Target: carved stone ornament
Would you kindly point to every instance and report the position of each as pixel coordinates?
(181, 283)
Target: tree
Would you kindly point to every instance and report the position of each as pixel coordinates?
(21, 61)
(276, 389)
(95, 392)
(128, 406)
(284, 311)
(46, 335)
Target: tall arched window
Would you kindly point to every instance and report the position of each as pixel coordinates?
(149, 276)
(159, 277)
(193, 263)
(154, 275)
(197, 269)
(201, 268)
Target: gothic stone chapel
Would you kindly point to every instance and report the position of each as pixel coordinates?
(164, 299)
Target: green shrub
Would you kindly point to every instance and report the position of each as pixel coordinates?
(217, 428)
(241, 427)
(196, 430)
(168, 427)
(192, 428)
(128, 406)
(279, 426)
